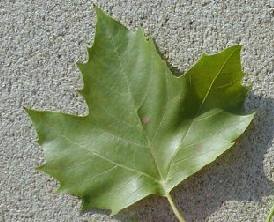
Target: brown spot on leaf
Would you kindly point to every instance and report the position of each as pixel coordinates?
(199, 147)
(145, 120)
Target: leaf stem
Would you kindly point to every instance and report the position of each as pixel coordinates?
(270, 215)
(175, 210)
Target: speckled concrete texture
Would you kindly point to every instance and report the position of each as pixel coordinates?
(40, 41)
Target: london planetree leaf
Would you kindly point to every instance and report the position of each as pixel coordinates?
(147, 129)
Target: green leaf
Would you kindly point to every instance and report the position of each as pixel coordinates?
(147, 130)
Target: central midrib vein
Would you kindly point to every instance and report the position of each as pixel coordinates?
(136, 109)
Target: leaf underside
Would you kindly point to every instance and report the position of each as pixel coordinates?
(147, 130)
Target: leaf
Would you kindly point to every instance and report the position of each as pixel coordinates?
(147, 130)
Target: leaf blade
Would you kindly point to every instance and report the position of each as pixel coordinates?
(144, 123)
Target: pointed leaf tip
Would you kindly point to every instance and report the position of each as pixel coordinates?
(27, 110)
(41, 168)
(102, 15)
(99, 11)
(234, 48)
(105, 21)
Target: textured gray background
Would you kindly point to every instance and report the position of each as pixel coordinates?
(40, 43)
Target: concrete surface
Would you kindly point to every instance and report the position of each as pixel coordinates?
(40, 43)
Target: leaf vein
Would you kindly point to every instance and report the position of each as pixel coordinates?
(203, 101)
